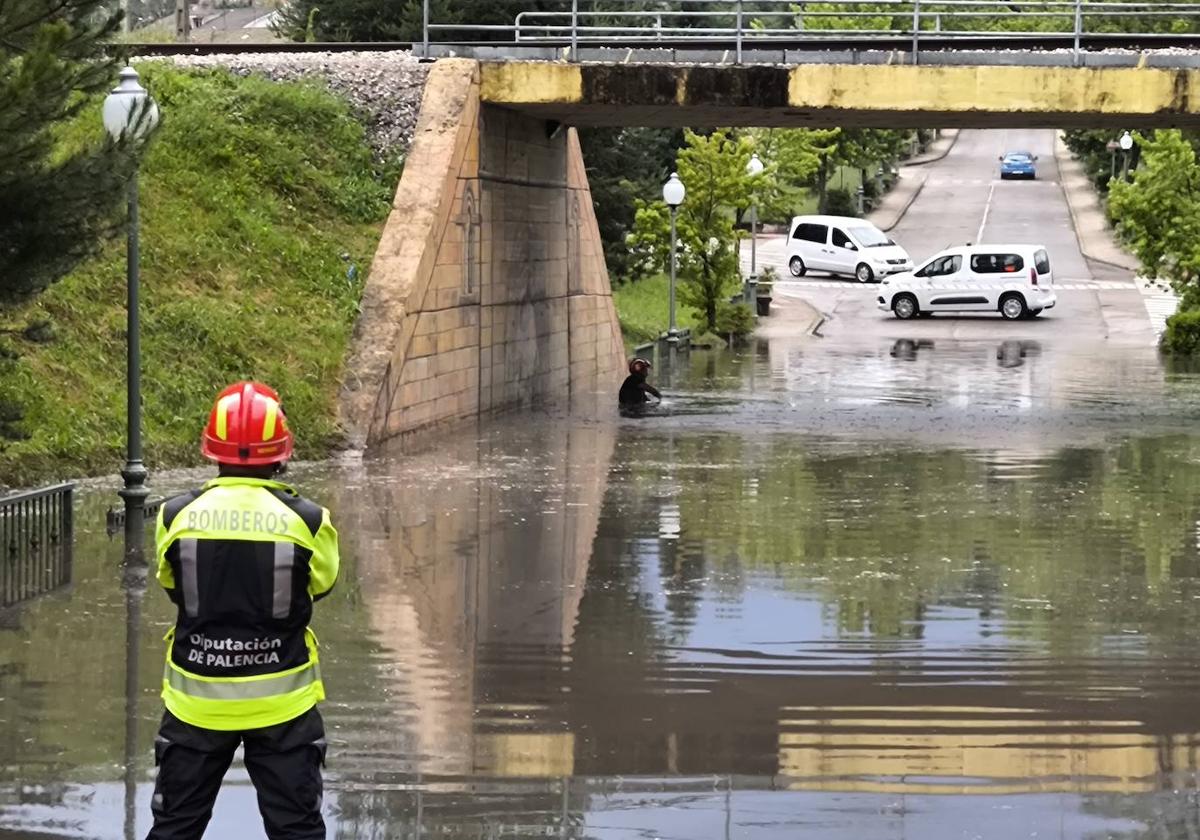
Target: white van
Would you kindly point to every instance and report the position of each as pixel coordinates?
(843, 245)
(1014, 280)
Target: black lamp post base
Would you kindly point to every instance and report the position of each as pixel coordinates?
(135, 493)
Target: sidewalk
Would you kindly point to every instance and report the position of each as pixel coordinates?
(937, 150)
(1098, 242)
(912, 179)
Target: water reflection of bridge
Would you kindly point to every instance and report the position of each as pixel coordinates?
(467, 562)
(498, 667)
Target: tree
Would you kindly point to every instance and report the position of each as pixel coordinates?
(358, 20)
(624, 164)
(792, 156)
(1158, 212)
(842, 16)
(713, 168)
(400, 20)
(857, 147)
(56, 203)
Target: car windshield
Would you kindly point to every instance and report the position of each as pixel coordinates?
(870, 237)
(1017, 157)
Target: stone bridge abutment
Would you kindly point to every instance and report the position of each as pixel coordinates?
(488, 290)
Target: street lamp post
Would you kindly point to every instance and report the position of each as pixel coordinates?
(754, 168)
(673, 194)
(130, 113)
(1126, 143)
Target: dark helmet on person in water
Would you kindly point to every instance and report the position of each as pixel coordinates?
(639, 366)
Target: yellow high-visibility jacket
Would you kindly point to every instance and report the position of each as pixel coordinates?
(243, 559)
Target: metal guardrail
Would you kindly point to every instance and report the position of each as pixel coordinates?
(757, 24)
(36, 536)
(114, 517)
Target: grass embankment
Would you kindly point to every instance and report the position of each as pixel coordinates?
(643, 310)
(251, 192)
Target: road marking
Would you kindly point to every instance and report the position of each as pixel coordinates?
(1070, 285)
(1160, 305)
(987, 208)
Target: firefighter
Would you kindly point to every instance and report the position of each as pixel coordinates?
(243, 558)
(635, 390)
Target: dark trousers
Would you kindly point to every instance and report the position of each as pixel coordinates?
(284, 762)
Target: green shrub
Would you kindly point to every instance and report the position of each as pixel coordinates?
(642, 308)
(839, 202)
(734, 319)
(1183, 333)
(708, 341)
(766, 281)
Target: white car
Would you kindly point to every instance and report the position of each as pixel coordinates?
(1014, 280)
(843, 245)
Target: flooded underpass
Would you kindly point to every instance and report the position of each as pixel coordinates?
(910, 589)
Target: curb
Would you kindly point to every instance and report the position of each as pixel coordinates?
(816, 318)
(1083, 249)
(900, 215)
(903, 210)
(940, 155)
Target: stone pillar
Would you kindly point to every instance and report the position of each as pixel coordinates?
(488, 290)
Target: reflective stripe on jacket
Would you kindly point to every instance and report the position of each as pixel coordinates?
(243, 559)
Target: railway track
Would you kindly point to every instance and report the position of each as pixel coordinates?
(1031, 42)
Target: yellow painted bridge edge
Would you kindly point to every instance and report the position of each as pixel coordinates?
(1058, 90)
(530, 83)
(848, 87)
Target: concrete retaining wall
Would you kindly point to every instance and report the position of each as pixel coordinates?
(488, 290)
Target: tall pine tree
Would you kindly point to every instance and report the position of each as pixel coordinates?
(56, 205)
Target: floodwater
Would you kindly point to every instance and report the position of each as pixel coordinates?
(905, 590)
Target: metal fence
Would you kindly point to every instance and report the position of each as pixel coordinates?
(746, 25)
(36, 531)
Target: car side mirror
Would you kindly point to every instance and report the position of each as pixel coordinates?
(1000, 158)
(850, 246)
(1035, 157)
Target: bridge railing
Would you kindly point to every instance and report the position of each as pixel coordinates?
(36, 533)
(739, 26)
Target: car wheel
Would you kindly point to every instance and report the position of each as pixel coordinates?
(863, 273)
(1012, 307)
(797, 267)
(904, 306)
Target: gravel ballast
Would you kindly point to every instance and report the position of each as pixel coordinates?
(385, 87)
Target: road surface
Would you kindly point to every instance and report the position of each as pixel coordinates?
(964, 200)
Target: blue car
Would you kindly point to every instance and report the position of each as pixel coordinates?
(1018, 165)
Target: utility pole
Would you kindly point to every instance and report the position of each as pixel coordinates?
(183, 20)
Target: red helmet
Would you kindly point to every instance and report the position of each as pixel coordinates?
(247, 427)
(638, 365)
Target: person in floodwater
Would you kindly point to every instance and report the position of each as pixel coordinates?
(243, 558)
(636, 391)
